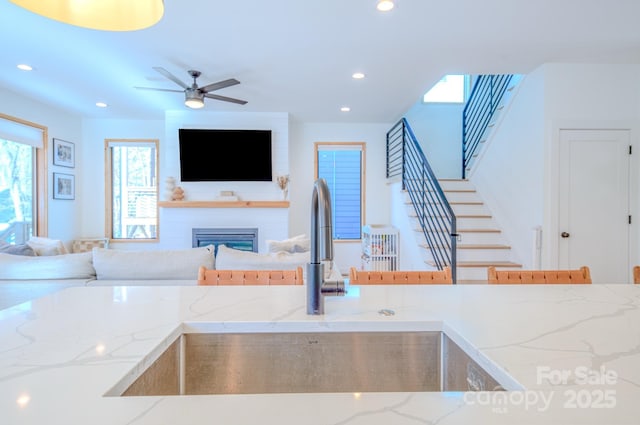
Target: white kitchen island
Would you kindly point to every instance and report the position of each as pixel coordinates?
(567, 354)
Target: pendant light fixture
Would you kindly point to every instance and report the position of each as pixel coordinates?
(105, 15)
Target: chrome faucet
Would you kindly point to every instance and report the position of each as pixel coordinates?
(321, 250)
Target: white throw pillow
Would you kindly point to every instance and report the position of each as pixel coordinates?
(235, 259)
(45, 246)
(300, 243)
(114, 264)
(65, 266)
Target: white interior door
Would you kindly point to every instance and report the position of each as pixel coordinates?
(594, 203)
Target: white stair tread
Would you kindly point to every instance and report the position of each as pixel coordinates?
(475, 246)
(484, 264)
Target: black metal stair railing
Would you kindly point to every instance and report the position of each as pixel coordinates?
(437, 220)
(483, 101)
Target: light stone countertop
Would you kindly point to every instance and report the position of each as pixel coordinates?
(60, 354)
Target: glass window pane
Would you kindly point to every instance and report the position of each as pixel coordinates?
(134, 191)
(450, 89)
(17, 177)
(342, 171)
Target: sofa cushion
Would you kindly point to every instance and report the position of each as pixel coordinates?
(65, 266)
(115, 264)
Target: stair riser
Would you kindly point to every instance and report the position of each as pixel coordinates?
(462, 197)
(463, 223)
(481, 239)
(469, 209)
(476, 223)
(484, 255)
(456, 185)
(471, 238)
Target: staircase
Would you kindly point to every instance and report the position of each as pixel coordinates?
(481, 243)
(450, 219)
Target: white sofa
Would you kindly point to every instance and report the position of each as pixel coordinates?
(23, 278)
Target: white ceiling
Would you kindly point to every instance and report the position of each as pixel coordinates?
(297, 56)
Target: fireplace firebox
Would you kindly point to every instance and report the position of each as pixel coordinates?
(245, 239)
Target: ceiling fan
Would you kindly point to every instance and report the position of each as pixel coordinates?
(194, 95)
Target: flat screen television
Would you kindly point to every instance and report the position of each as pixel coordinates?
(225, 155)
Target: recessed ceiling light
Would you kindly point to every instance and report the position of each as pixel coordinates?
(101, 105)
(345, 109)
(25, 67)
(358, 75)
(384, 5)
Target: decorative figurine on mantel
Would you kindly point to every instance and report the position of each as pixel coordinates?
(178, 194)
(283, 184)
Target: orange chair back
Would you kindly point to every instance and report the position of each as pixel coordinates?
(357, 277)
(581, 275)
(249, 277)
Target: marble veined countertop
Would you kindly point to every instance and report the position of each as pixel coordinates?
(567, 354)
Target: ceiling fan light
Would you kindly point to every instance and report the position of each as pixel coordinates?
(105, 15)
(193, 99)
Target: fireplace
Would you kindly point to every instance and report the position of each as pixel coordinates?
(245, 239)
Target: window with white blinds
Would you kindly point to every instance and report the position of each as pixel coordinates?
(342, 166)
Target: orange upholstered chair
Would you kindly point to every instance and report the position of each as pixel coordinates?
(636, 274)
(357, 277)
(581, 275)
(249, 277)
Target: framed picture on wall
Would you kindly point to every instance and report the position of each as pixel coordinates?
(64, 186)
(64, 153)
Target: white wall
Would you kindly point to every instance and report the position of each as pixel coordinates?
(92, 193)
(64, 216)
(438, 128)
(509, 174)
(301, 154)
(411, 257)
(517, 174)
(587, 96)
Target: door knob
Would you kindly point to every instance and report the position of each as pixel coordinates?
(565, 234)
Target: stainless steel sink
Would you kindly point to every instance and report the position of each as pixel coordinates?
(314, 362)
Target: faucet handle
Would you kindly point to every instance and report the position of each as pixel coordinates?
(333, 287)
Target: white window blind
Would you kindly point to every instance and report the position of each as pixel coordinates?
(341, 167)
(21, 133)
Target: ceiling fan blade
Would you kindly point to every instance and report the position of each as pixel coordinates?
(171, 77)
(219, 85)
(157, 89)
(225, 99)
